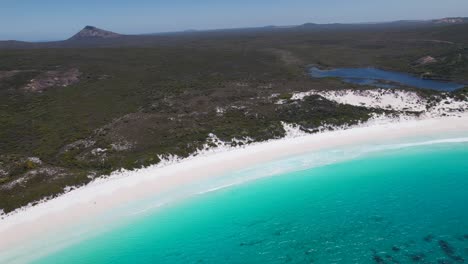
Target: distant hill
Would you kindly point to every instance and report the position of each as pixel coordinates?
(398, 23)
(91, 36)
(90, 32)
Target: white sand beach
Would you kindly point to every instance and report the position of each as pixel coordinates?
(104, 194)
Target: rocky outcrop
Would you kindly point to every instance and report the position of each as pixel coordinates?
(90, 32)
(425, 60)
(49, 79)
(7, 74)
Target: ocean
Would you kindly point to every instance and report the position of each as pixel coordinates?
(398, 204)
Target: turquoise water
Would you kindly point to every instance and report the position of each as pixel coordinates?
(377, 77)
(401, 206)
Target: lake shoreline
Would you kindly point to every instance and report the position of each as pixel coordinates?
(385, 78)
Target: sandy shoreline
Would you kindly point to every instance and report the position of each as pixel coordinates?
(101, 195)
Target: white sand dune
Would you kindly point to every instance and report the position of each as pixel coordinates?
(391, 99)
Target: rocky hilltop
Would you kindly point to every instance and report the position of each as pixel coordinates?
(90, 32)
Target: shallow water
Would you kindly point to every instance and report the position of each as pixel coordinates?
(398, 206)
(381, 78)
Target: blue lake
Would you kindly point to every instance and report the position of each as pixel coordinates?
(383, 79)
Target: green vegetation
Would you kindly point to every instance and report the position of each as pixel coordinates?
(134, 104)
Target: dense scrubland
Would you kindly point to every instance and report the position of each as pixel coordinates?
(72, 112)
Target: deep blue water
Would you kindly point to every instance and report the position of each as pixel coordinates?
(381, 78)
(398, 206)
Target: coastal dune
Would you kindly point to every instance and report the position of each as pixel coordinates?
(103, 195)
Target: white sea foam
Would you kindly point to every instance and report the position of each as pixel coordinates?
(149, 208)
(321, 158)
(424, 143)
(214, 189)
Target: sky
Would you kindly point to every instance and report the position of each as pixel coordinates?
(41, 20)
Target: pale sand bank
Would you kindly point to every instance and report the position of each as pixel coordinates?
(102, 195)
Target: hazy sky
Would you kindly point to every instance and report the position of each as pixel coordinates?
(59, 19)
